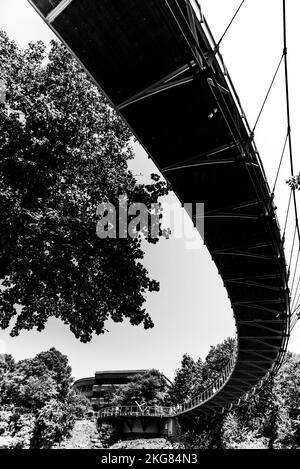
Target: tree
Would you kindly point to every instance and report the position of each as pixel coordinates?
(53, 423)
(39, 405)
(294, 182)
(269, 418)
(64, 151)
(286, 389)
(217, 359)
(260, 413)
(149, 388)
(274, 411)
(33, 382)
(30, 386)
(236, 435)
(7, 365)
(188, 380)
(194, 376)
(57, 363)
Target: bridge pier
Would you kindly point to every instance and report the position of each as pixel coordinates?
(144, 426)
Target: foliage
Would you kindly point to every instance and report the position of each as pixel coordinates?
(194, 376)
(30, 386)
(202, 434)
(216, 360)
(57, 363)
(7, 364)
(286, 389)
(188, 380)
(268, 419)
(294, 182)
(149, 388)
(63, 152)
(38, 404)
(53, 422)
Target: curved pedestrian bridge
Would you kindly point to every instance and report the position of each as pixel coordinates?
(159, 66)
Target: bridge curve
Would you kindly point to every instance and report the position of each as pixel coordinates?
(158, 64)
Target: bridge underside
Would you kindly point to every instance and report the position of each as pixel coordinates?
(132, 426)
(156, 65)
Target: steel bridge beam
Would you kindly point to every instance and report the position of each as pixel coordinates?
(58, 10)
(196, 69)
(160, 86)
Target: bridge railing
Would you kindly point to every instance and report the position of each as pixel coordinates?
(213, 388)
(137, 411)
(163, 411)
(249, 130)
(222, 379)
(218, 56)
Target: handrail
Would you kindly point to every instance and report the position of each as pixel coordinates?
(243, 135)
(234, 94)
(163, 411)
(137, 411)
(217, 54)
(226, 373)
(213, 388)
(221, 381)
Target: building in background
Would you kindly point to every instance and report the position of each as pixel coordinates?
(100, 388)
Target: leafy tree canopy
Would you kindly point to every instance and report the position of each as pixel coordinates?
(38, 404)
(149, 388)
(216, 360)
(294, 182)
(188, 380)
(194, 376)
(268, 419)
(63, 151)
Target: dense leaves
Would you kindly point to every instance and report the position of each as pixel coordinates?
(38, 404)
(268, 419)
(195, 376)
(294, 182)
(149, 388)
(188, 380)
(216, 360)
(63, 151)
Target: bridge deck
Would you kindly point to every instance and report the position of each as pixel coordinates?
(155, 62)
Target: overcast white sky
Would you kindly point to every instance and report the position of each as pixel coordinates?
(192, 310)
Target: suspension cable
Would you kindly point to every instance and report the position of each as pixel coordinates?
(295, 271)
(295, 317)
(293, 324)
(288, 112)
(230, 23)
(292, 251)
(280, 163)
(268, 93)
(295, 302)
(293, 189)
(287, 216)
